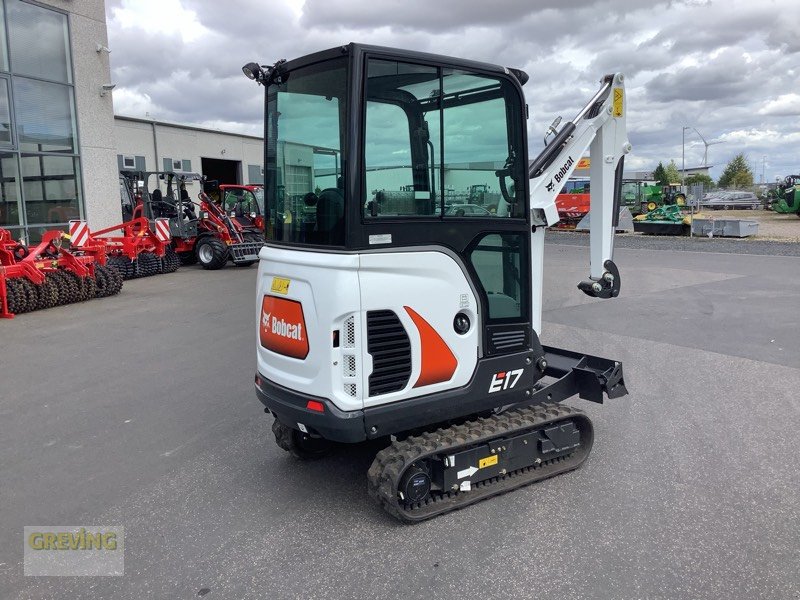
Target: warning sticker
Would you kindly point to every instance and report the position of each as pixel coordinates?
(487, 462)
(618, 101)
(280, 285)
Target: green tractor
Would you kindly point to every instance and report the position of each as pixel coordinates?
(787, 196)
(642, 198)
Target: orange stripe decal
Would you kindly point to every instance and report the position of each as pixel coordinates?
(438, 361)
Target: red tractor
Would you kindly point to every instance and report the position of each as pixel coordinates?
(201, 231)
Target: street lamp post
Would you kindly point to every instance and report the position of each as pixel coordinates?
(683, 155)
(683, 173)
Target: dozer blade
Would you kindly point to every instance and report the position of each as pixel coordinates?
(437, 472)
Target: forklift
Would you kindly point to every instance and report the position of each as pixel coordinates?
(405, 322)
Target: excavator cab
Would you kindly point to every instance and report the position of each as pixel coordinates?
(383, 310)
(363, 168)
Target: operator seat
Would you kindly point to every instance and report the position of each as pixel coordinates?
(188, 206)
(157, 203)
(329, 228)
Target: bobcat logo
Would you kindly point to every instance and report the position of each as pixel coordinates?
(265, 319)
(550, 186)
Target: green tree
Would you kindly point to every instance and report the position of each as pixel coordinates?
(737, 173)
(673, 175)
(660, 174)
(700, 179)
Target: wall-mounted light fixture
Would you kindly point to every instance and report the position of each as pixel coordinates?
(105, 88)
(100, 48)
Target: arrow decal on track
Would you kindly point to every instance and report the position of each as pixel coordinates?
(469, 472)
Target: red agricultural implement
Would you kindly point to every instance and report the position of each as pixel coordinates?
(137, 249)
(572, 207)
(48, 274)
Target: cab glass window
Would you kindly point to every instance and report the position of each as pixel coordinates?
(497, 259)
(481, 163)
(441, 142)
(402, 140)
(305, 187)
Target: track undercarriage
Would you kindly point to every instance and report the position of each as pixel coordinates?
(437, 472)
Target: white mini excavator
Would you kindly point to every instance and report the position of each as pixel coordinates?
(393, 303)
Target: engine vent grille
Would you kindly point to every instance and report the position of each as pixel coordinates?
(349, 333)
(507, 339)
(349, 366)
(390, 348)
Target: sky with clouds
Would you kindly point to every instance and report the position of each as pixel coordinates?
(729, 69)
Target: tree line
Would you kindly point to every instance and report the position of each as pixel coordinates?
(737, 174)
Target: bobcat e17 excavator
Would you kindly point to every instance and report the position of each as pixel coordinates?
(383, 315)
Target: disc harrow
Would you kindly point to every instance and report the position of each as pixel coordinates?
(134, 249)
(49, 275)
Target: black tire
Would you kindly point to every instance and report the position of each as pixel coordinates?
(108, 281)
(114, 280)
(251, 236)
(148, 264)
(74, 285)
(170, 261)
(68, 290)
(124, 265)
(187, 258)
(30, 295)
(211, 253)
(15, 297)
(299, 444)
(48, 293)
(89, 288)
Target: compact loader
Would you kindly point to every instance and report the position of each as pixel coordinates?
(384, 316)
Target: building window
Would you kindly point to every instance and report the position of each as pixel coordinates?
(6, 139)
(39, 40)
(255, 174)
(10, 214)
(40, 177)
(50, 185)
(177, 164)
(45, 116)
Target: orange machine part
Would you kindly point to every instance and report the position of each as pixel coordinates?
(438, 361)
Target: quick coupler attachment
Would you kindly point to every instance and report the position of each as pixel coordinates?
(607, 286)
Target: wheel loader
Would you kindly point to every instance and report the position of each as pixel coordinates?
(383, 316)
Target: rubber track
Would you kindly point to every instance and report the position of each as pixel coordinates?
(390, 463)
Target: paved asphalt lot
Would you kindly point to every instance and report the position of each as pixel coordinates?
(139, 411)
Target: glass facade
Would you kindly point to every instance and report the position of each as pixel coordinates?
(40, 183)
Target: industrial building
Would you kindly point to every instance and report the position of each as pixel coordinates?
(61, 147)
(147, 145)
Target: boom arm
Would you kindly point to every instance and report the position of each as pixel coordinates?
(599, 127)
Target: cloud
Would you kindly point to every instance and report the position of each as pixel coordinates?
(722, 67)
(785, 105)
